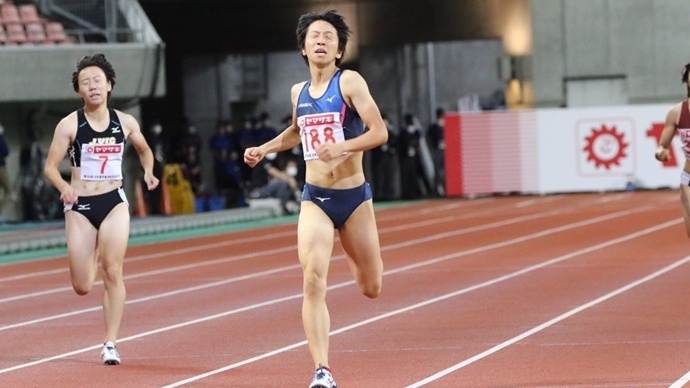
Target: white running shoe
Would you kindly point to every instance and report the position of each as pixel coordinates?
(323, 378)
(109, 354)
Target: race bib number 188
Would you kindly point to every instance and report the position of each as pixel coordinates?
(317, 129)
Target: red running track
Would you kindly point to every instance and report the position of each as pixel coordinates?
(581, 290)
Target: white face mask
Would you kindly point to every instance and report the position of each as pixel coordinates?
(271, 156)
(291, 170)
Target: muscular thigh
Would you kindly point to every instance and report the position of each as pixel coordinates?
(113, 234)
(315, 235)
(81, 240)
(359, 236)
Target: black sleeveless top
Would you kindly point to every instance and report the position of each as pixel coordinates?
(87, 135)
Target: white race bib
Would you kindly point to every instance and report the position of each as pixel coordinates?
(101, 162)
(684, 134)
(319, 128)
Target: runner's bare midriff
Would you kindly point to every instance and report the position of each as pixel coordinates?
(341, 173)
(86, 188)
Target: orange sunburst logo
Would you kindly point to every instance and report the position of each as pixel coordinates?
(605, 147)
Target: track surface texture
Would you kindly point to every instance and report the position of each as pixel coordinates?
(576, 290)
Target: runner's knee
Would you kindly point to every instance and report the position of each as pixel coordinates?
(314, 285)
(371, 290)
(370, 280)
(112, 274)
(370, 286)
(81, 288)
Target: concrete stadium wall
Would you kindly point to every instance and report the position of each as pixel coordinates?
(43, 73)
(645, 41)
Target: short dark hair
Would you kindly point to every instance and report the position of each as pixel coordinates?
(97, 60)
(684, 74)
(331, 17)
(440, 112)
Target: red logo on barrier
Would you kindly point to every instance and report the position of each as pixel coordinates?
(605, 147)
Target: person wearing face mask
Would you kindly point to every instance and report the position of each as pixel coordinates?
(291, 169)
(272, 181)
(4, 178)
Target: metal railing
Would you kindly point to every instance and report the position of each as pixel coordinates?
(101, 21)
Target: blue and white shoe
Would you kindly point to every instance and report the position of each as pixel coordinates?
(323, 378)
(109, 354)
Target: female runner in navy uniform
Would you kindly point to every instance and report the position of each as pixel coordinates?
(678, 120)
(96, 209)
(329, 114)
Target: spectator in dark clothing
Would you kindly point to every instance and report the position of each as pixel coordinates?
(410, 158)
(4, 177)
(226, 169)
(247, 137)
(437, 147)
(189, 151)
(385, 165)
(193, 172)
(190, 141)
(273, 179)
(159, 147)
(265, 130)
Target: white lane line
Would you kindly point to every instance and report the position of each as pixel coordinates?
(440, 298)
(681, 381)
(344, 284)
(164, 254)
(296, 266)
(387, 230)
(549, 323)
(396, 216)
(386, 273)
(225, 260)
(198, 248)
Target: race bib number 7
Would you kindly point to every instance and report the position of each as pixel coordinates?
(317, 129)
(100, 162)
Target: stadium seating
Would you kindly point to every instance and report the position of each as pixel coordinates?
(35, 33)
(28, 13)
(15, 34)
(22, 24)
(55, 33)
(9, 13)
